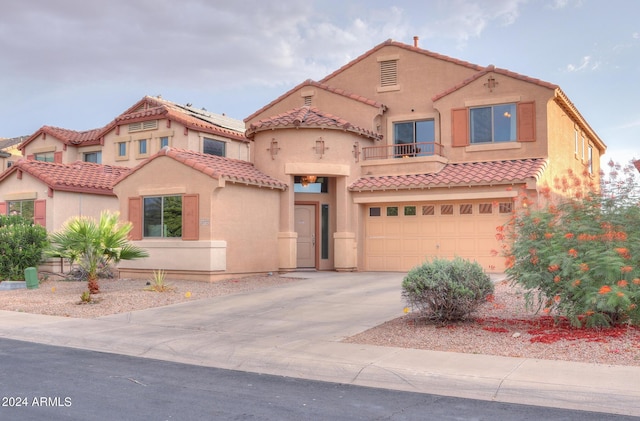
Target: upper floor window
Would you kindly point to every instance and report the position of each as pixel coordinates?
(590, 157)
(414, 138)
(122, 149)
(45, 156)
(95, 157)
(162, 216)
(496, 123)
(213, 147)
(142, 147)
(164, 141)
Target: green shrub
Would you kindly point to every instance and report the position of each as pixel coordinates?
(579, 257)
(21, 246)
(444, 290)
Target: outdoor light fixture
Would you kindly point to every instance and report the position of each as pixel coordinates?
(305, 180)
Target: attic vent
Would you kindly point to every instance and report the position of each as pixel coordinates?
(388, 73)
(143, 125)
(307, 101)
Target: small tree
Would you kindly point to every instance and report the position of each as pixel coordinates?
(580, 256)
(93, 244)
(21, 246)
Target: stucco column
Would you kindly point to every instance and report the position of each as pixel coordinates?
(287, 236)
(344, 239)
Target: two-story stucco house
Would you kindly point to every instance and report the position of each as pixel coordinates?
(399, 156)
(403, 154)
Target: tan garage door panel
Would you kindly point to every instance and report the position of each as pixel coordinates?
(406, 234)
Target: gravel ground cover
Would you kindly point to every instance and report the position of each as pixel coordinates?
(502, 326)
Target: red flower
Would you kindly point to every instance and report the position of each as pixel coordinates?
(584, 267)
(556, 298)
(622, 283)
(553, 268)
(568, 236)
(576, 282)
(605, 289)
(548, 235)
(636, 281)
(623, 252)
(556, 279)
(573, 253)
(625, 269)
(620, 294)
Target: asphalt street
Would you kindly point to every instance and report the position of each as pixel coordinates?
(39, 382)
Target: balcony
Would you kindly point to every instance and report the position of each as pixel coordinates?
(404, 150)
(421, 158)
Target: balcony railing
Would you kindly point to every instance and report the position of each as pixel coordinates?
(403, 150)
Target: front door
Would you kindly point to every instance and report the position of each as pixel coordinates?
(305, 224)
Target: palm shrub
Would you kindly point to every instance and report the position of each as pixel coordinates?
(93, 245)
(21, 246)
(579, 257)
(446, 290)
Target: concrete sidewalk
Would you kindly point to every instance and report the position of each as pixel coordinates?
(295, 330)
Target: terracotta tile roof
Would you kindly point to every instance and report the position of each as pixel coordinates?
(79, 176)
(150, 108)
(307, 117)
(327, 88)
(493, 69)
(232, 170)
(66, 136)
(463, 174)
(7, 143)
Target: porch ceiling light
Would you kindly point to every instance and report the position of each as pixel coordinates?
(305, 180)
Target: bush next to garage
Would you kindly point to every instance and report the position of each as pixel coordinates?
(21, 246)
(446, 290)
(579, 256)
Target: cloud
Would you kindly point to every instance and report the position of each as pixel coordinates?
(191, 42)
(466, 19)
(585, 64)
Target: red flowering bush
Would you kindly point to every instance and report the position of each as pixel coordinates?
(579, 256)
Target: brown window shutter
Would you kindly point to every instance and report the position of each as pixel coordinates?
(3, 208)
(57, 157)
(526, 122)
(40, 212)
(459, 127)
(135, 217)
(190, 217)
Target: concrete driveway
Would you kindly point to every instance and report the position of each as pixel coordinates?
(295, 330)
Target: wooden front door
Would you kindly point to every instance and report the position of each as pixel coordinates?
(305, 225)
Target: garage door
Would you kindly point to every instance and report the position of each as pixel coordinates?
(399, 236)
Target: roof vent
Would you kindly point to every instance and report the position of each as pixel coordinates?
(415, 41)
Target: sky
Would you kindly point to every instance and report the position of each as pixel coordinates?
(78, 64)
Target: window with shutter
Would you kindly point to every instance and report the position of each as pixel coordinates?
(459, 127)
(190, 217)
(527, 122)
(40, 212)
(135, 217)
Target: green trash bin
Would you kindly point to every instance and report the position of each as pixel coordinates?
(31, 276)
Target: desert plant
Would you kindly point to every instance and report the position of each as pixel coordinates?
(157, 282)
(579, 256)
(85, 298)
(94, 244)
(21, 246)
(446, 290)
